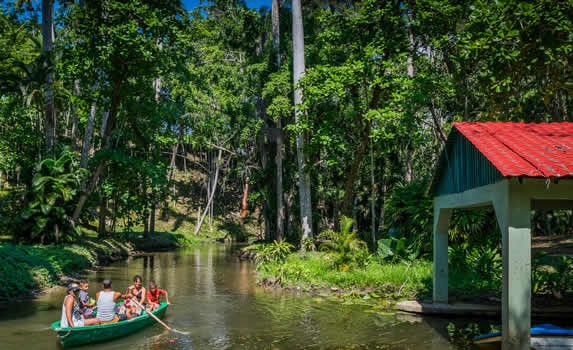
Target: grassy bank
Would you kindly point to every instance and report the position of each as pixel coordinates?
(26, 269)
(313, 271)
(317, 270)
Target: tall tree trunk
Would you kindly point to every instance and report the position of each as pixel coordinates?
(298, 73)
(355, 167)
(411, 48)
(75, 117)
(114, 217)
(146, 214)
(263, 151)
(101, 232)
(279, 139)
(408, 176)
(86, 146)
(47, 48)
(211, 194)
(152, 213)
(184, 153)
(104, 119)
(276, 31)
(372, 197)
(244, 203)
(109, 125)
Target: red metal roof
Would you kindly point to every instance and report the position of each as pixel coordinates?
(524, 149)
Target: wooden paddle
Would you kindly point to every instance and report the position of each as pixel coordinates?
(157, 319)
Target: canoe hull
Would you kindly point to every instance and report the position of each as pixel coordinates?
(543, 337)
(537, 343)
(70, 337)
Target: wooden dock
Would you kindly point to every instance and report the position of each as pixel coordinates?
(457, 309)
(481, 310)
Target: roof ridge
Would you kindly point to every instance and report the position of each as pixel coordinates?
(513, 150)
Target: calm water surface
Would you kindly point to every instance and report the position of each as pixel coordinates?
(214, 297)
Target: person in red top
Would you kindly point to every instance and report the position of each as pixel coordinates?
(153, 294)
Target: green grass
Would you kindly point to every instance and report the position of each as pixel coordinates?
(317, 270)
(401, 280)
(25, 268)
(162, 240)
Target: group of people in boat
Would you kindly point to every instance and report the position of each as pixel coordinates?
(78, 308)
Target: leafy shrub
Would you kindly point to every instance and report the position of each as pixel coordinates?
(49, 201)
(475, 269)
(275, 252)
(552, 274)
(409, 211)
(348, 249)
(475, 226)
(395, 249)
(307, 245)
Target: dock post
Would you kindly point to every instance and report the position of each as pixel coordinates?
(441, 223)
(514, 216)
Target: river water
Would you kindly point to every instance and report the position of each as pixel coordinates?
(214, 297)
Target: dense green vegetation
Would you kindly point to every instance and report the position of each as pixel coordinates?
(31, 268)
(315, 271)
(25, 269)
(140, 112)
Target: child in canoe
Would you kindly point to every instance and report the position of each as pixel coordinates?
(86, 303)
(153, 295)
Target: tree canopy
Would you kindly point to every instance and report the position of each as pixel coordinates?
(137, 92)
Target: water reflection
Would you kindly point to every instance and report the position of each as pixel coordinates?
(215, 298)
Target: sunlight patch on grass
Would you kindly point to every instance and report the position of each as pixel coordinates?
(317, 270)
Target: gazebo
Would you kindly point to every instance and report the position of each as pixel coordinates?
(516, 168)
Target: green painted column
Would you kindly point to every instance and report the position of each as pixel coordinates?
(441, 223)
(514, 216)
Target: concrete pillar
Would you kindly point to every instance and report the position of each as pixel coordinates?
(441, 223)
(514, 216)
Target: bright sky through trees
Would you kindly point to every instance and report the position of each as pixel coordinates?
(191, 4)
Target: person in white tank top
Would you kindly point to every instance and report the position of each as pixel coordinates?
(71, 314)
(106, 300)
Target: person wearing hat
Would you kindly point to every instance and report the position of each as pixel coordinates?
(106, 300)
(71, 314)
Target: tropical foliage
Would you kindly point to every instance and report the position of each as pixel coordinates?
(347, 249)
(165, 112)
(49, 202)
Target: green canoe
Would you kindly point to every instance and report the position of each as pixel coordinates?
(94, 334)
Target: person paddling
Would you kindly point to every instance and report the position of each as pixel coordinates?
(136, 292)
(106, 300)
(71, 314)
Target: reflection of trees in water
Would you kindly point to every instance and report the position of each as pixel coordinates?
(148, 262)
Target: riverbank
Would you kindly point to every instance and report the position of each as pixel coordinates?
(314, 272)
(27, 270)
(318, 273)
